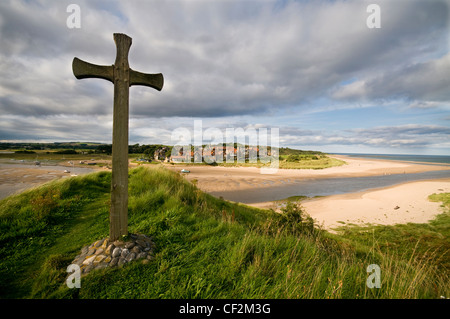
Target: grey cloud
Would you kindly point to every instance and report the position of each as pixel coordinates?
(423, 84)
(221, 59)
(57, 128)
(406, 136)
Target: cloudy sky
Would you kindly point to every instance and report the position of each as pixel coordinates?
(312, 69)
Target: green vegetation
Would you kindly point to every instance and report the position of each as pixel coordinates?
(52, 156)
(431, 239)
(75, 151)
(66, 152)
(309, 161)
(207, 247)
(49, 146)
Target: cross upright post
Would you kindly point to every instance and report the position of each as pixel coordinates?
(122, 76)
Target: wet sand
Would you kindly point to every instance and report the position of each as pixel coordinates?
(377, 206)
(18, 177)
(402, 203)
(399, 204)
(222, 179)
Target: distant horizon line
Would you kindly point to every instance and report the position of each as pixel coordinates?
(394, 154)
(330, 153)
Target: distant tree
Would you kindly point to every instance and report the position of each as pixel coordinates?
(66, 152)
(292, 158)
(104, 149)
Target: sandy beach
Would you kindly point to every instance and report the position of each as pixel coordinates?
(16, 178)
(399, 204)
(222, 179)
(402, 203)
(407, 202)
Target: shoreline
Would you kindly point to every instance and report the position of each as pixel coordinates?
(16, 178)
(389, 159)
(218, 179)
(441, 185)
(373, 206)
(399, 204)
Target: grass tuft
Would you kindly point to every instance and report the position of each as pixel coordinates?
(209, 248)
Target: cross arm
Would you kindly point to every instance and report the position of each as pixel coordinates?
(155, 81)
(84, 70)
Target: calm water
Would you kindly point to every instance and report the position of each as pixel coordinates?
(431, 159)
(44, 167)
(327, 186)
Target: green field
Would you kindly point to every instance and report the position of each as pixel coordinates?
(202, 251)
(288, 158)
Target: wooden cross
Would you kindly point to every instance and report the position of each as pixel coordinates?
(122, 76)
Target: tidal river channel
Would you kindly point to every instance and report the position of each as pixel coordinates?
(326, 186)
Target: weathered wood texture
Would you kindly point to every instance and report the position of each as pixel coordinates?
(123, 77)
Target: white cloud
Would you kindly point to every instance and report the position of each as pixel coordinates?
(411, 137)
(221, 60)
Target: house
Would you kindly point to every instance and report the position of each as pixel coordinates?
(160, 154)
(178, 159)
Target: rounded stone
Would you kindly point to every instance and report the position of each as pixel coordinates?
(89, 260)
(133, 236)
(105, 243)
(84, 250)
(98, 243)
(88, 268)
(141, 243)
(116, 252)
(118, 243)
(99, 259)
(141, 255)
(124, 252)
(130, 257)
(104, 253)
(79, 259)
(121, 261)
(101, 265)
(114, 261)
(110, 249)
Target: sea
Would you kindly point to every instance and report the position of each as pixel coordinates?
(425, 159)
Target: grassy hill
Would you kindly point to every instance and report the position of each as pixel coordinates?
(206, 247)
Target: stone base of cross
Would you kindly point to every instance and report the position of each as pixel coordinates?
(122, 76)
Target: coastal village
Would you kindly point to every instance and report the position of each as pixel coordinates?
(226, 153)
